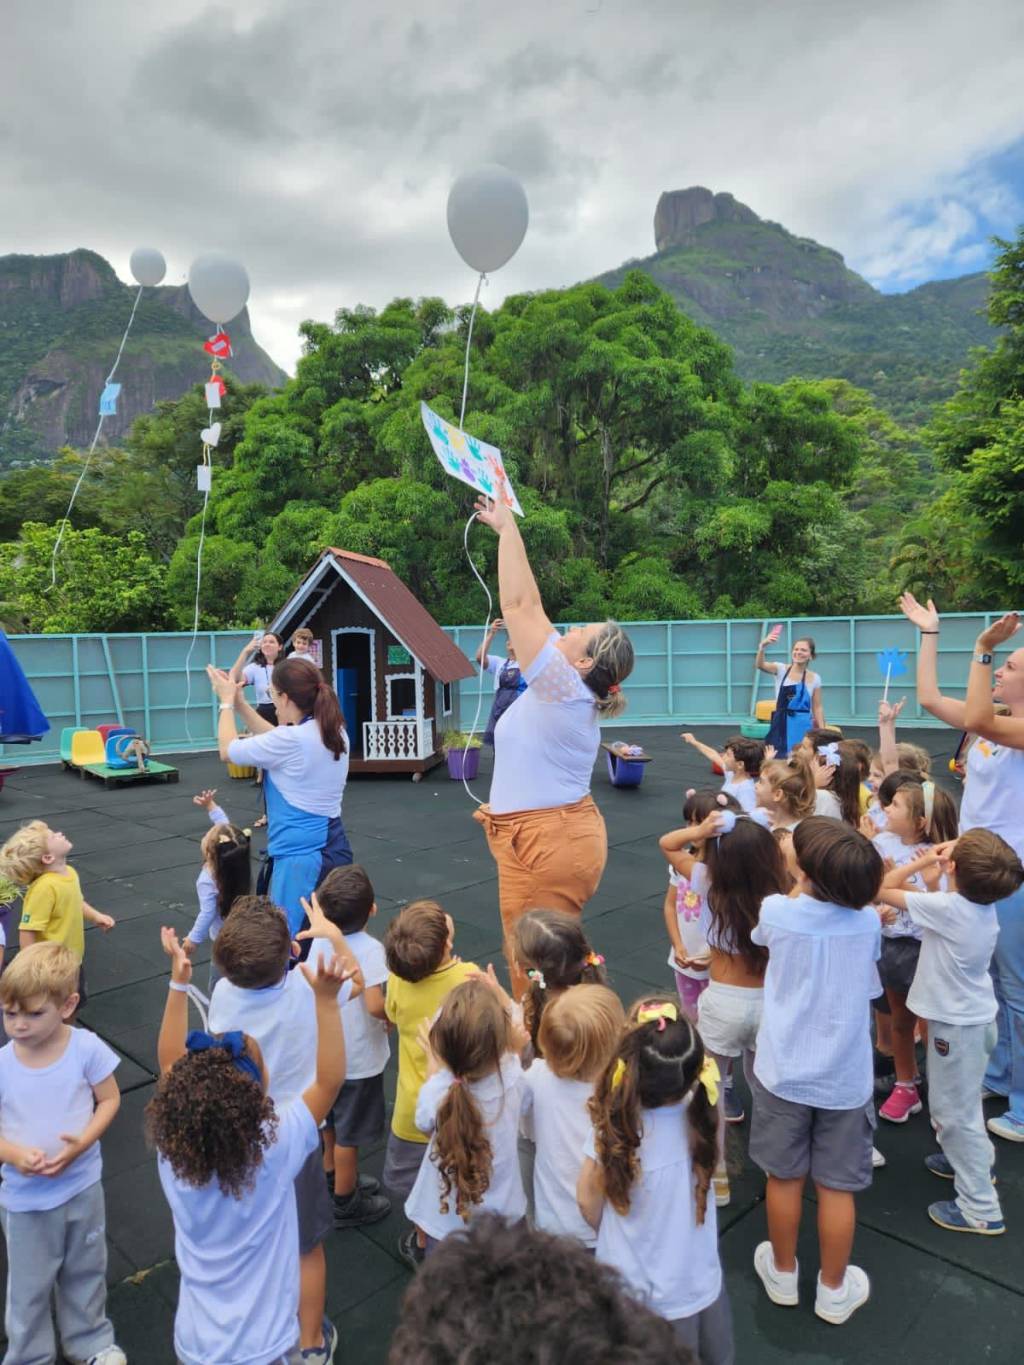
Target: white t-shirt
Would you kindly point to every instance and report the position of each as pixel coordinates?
(994, 792)
(827, 803)
(669, 1262)
(366, 1037)
(238, 1302)
(741, 789)
(282, 1019)
(892, 847)
(258, 677)
(691, 915)
(814, 1043)
(499, 1097)
(958, 938)
(37, 1105)
(555, 1116)
(545, 745)
(304, 770)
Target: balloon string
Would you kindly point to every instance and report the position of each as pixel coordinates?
(465, 374)
(487, 626)
(207, 460)
(92, 447)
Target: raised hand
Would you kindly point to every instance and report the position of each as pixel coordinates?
(889, 710)
(181, 967)
(925, 618)
(207, 799)
(493, 514)
(222, 683)
(999, 631)
(329, 977)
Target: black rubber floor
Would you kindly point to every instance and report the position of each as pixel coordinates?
(937, 1296)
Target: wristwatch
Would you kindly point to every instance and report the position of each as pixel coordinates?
(981, 658)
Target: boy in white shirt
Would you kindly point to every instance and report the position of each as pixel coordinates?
(58, 1096)
(740, 761)
(952, 990)
(260, 996)
(358, 1116)
(813, 1078)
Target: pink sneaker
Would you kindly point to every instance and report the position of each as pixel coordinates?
(903, 1102)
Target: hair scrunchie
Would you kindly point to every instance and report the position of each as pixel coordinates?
(232, 1043)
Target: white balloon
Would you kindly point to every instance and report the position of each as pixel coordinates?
(147, 265)
(487, 217)
(219, 286)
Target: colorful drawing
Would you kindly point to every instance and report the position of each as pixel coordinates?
(469, 459)
(108, 400)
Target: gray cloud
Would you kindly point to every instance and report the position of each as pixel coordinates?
(317, 139)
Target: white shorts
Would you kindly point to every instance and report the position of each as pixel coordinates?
(728, 1018)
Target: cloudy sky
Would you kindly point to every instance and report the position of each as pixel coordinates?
(317, 139)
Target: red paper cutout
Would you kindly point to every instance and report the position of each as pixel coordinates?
(219, 346)
(216, 380)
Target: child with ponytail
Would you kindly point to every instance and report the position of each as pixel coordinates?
(786, 791)
(470, 1105)
(918, 814)
(647, 1171)
(226, 874)
(552, 949)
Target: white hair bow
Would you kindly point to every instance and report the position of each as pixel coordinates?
(830, 753)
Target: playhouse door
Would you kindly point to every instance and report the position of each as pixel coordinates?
(353, 678)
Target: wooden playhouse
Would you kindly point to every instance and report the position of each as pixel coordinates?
(395, 670)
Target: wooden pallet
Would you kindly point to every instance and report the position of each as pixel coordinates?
(113, 777)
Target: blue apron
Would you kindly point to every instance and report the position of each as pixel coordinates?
(301, 849)
(791, 718)
(21, 716)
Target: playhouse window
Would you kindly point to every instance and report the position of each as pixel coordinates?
(401, 697)
(446, 699)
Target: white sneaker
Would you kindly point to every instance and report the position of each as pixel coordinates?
(781, 1286)
(836, 1305)
(877, 1158)
(110, 1355)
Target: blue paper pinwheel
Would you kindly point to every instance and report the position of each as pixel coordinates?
(892, 663)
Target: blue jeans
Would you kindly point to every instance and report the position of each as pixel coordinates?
(1005, 1074)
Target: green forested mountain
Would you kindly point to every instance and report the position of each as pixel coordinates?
(61, 321)
(789, 306)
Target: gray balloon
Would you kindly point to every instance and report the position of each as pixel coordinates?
(219, 286)
(487, 217)
(147, 265)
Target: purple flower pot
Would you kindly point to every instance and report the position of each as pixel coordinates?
(463, 763)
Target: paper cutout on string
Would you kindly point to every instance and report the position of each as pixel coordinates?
(108, 400)
(204, 477)
(471, 461)
(218, 346)
(211, 435)
(213, 396)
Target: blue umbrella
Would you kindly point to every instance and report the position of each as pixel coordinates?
(21, 716)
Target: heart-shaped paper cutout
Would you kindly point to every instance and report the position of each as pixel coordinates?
(211, 435)
(219, 345)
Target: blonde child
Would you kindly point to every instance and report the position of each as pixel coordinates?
(953, 991)
(740, 761)
(812, 1085)
(579, 1035)
(53, 909)
(551, 949)
(918, 814)
(58, 1096)
(225, 875)
(683, 850)
(646, 1176)
(228, 1158)
(422, 970)
(469, 1106)
(786, 791)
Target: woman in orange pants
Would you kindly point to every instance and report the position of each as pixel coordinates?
(544, 831)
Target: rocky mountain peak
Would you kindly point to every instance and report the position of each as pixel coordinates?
(680, 212)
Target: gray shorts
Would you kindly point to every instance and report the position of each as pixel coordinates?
(898, 963)
(313, 1203)
(708, 1333)
(402, 1162)
(790, 1141)
(358, 1113)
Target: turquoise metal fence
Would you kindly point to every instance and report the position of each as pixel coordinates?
(687, 672)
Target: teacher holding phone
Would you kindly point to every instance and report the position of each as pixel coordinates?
(798, 704)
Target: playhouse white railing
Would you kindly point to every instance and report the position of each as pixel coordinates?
(398, 739)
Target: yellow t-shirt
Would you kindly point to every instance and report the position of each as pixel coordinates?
(407, 1004)
(52, 908)
(865, 798)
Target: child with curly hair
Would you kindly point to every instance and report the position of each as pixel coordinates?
(470, 1105)
(647, 1171)
(550, 947)
(227, 1158)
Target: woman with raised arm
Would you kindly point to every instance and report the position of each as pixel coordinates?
(304, 760)
(798, 703)
(993, 800)
(255, 666)
(544, 831)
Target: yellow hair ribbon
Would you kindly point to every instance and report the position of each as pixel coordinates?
(659, 1013)
(709, 1078)
(618, 1073)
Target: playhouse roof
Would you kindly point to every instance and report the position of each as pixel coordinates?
(387, 596)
